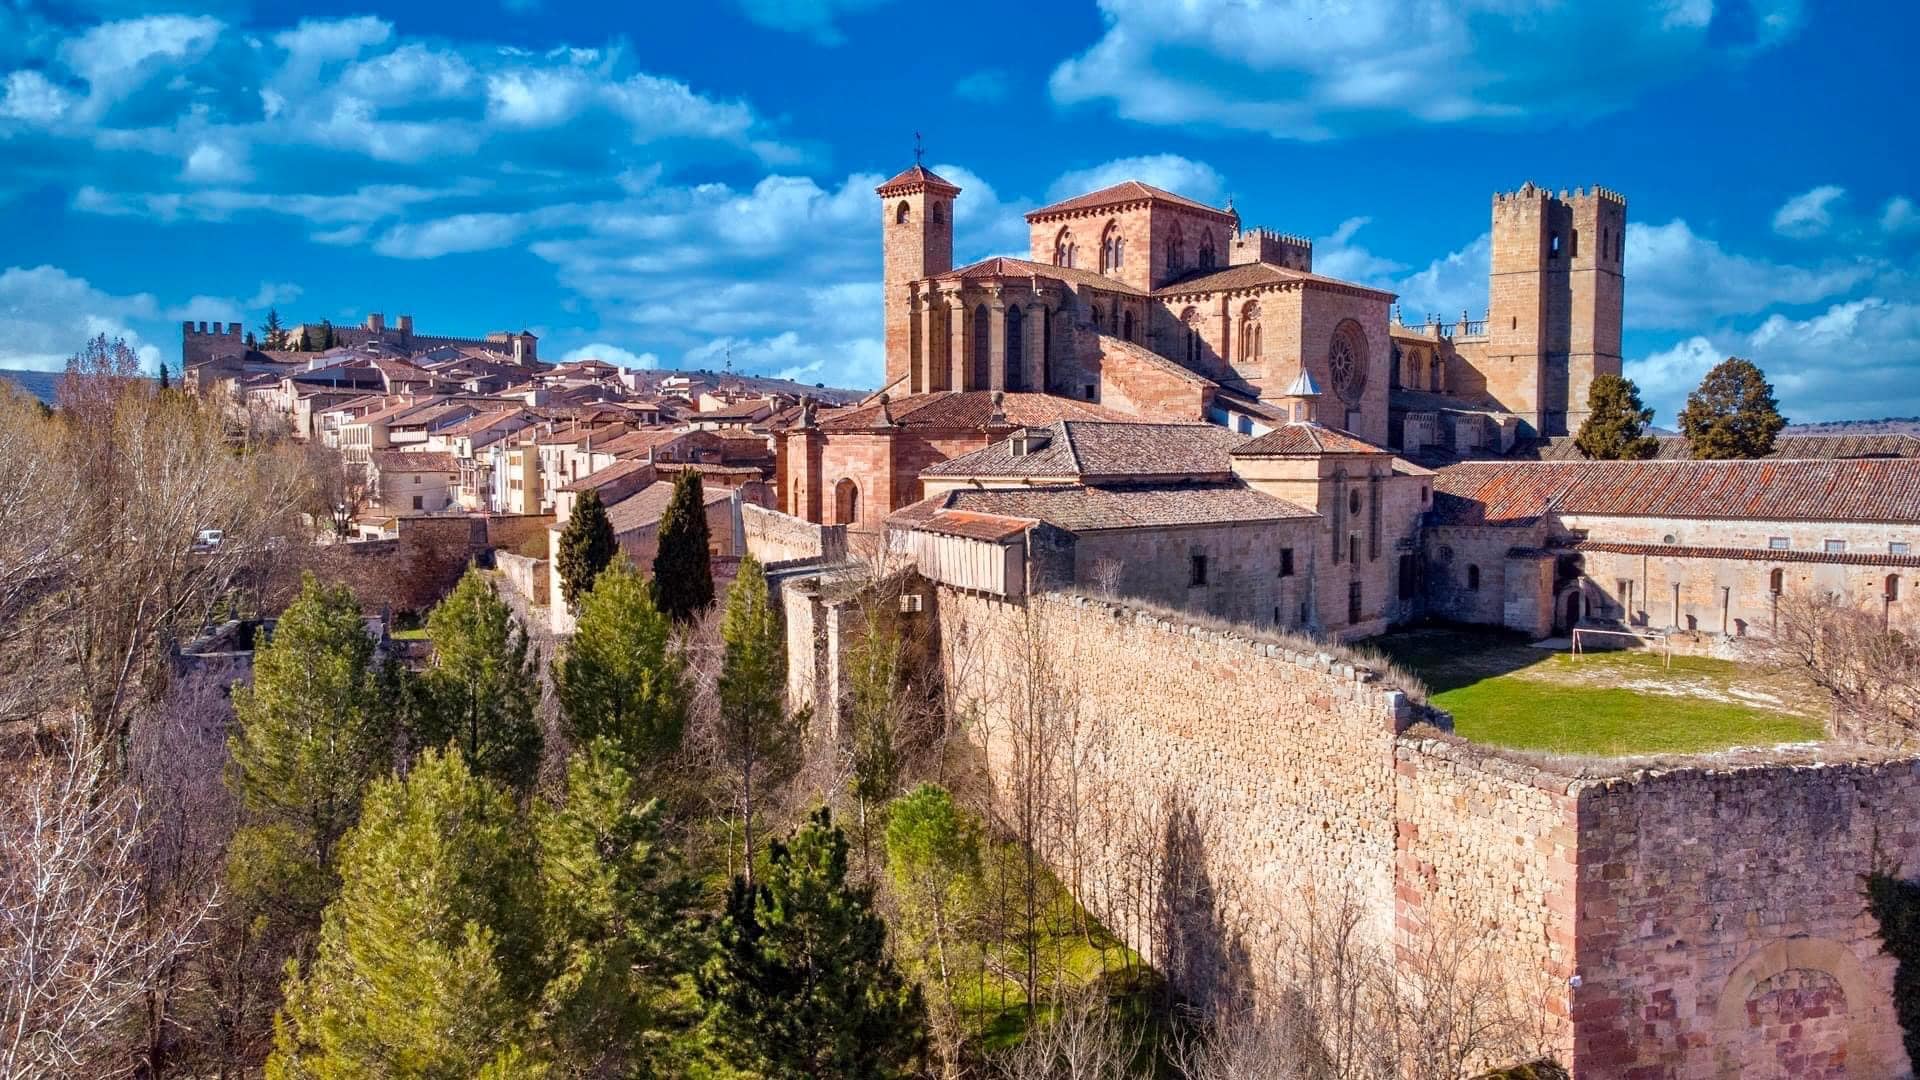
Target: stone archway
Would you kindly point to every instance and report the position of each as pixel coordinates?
(1569, 607)
(1802, 1007)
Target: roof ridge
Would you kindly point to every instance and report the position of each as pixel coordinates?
(1073, 450)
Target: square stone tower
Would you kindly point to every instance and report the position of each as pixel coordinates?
(1554, 302)
(916, 221)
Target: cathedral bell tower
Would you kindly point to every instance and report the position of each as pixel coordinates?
(916, 221)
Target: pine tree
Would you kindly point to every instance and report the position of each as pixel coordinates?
(483, 688)
(308, 735)
(801, 984)
(682, 569)
(1616, 424)
(620, 680)
(165, 384)
(273, 331)
(1733, 414)
(587, 547)
(617, 912)
(756, 738)
(428, 961)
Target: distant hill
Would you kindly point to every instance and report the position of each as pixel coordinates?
(757, 384)
(40, 384)
(1892, 425)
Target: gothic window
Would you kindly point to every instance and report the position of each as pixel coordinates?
(901, 213)
(1473, 577)
(1016, 349)
(1250, 332)
(1433, 375)
(1176, 249)
(1126, 326)
(935, 214)
(1190, 326)
(1393, 370)
(1095, 309)
(982, 348)
(1110, 248)
(1206, 250)
(1119, 252)
(1347, 361)
(1063, 248)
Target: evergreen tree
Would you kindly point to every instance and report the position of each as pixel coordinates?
(618, 924)
(273, 331)
(326, 335)
(801, 985)
(586, 547)
(308, 735)
(1616, 424)
(620, 680)
(755, 736)
(933, 855)
(1733, 414)
(165, 384)
(873, 705)
(428, 962)
(483, 688)
(682, 569)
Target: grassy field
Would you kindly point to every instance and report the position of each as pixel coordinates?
(1505, 692)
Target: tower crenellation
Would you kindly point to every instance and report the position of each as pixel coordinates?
(1258, 245)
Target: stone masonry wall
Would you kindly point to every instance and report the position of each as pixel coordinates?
(776, 537)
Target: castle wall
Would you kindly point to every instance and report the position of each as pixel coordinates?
(1243, 580)
(1721, 927)
(776, 537)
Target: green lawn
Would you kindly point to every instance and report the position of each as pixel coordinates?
(418, 633)
(1505, 692)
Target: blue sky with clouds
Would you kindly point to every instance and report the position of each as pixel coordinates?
(671, 182)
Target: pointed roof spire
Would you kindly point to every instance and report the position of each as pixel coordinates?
(1302, 385)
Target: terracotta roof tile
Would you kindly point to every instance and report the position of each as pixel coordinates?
(914, 176)
(1095, 450)
(1795, 447)
(975, 526)
(1125, 192)
(412, 461)
(1864, 489)
(644, 507)
(1292, 440)
(968, 410)
(1253, 275)
(1080, 507)
(1687, 551)
(1007, 266)
(602, 477)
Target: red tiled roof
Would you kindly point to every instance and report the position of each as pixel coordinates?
(1832, 447)
(486, 421)
(1140, 354)
(1080, 507)
(915, 176)
(414, 461)
(1864, 489)
(644, 507)
(1094, 450)
(968, 410)
(1292, 440)
(1684, 551)
(602, 477)
(641, 441)
(1007, 266)
(1125, 192)
(973, 526)
(1253, 275)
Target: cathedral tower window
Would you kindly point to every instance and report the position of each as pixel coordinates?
(1063, 248)
(982, 348)
(1176, 249)
(1111, 248)
(1190, 326)
(1016, 349)
(902, 213)
(1206, 250)
(1250, 332)
(1126, 326)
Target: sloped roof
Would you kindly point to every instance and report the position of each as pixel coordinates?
(1863, 489)
(1083, 507)
(1092, 450)
(1008, 266)
(644, 507)
(1796, 447)
(602, 477)
(1298, 439)
(1254, 275)
(1140, 354)
(486, 421)
(414, 461)
(641, 441)
(967, 410)
(1125, 191)
(915, 176)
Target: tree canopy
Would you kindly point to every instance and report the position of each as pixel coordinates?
(587, 547)
(1733, 414)
(1616, 424)
(682, 567)
(482, 689)
(619, 679)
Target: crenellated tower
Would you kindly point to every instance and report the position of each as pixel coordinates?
(1554, 301)
(917, 228)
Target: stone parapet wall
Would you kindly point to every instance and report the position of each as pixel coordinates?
(527, 576)
(776, 537)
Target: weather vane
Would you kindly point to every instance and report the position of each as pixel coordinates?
(919, 152)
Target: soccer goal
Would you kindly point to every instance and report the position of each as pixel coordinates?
(1651, 639)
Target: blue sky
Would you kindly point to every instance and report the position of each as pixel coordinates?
(668, 182)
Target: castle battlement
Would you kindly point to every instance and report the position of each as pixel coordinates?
(1257, 245)
(1532, 192)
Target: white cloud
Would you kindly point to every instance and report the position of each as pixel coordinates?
(451, 236)
(814, 18)
(31, 98)
(317, 40)
(1899, 215)
(47, 314)
(988, 87)
(1678, 279)
(611, 354)
(1854, 360)
(1182, 176)
(1309, 69)
(215, 162)
(1338, 256)
(410, 73)
(1453, 283)
(1809, 213)
(531, 97)
(115, 58)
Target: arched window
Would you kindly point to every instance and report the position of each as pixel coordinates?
(982, 348)
(1433, 376)
(1473, 577)
(1126, 325)
(1190, 326)
(1206, 250)
(1063, 247)
(1176, 249)
(846, 502)
(901, 213)
(1094, 310)
(1250, 332)
(1119, 252)
(1553, 246)
(1353, 502)
(1016, 349)
(1110, 248)
(1893, 587)
(1776, 582)
(936, 214)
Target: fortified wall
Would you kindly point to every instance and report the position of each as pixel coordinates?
(1684, 922)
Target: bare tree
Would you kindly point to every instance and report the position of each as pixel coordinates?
(1866, 662)
(1084, 1040)
(79, 946)
(38, 548)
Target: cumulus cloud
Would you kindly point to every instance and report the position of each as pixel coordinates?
(30, 97)
(1678, 279)
(611, 354)
(817, 19)
(1182, 176)
(1309, 70)
(1899, 215)
(453, 235)
(115, 58)
(47, 314)
(1809, 213)
(1453, 283)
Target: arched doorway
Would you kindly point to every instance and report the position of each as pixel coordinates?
(1570, 607)
(846, 503)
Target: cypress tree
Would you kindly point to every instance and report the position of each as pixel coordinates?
(619, 680)
(482, 689)
(308, 735)
(586, 547)
(165, 383)
(755, 737)
(1733, 414)
(428, 961)
(682, 569)
(801, 984)
(1616, 424)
